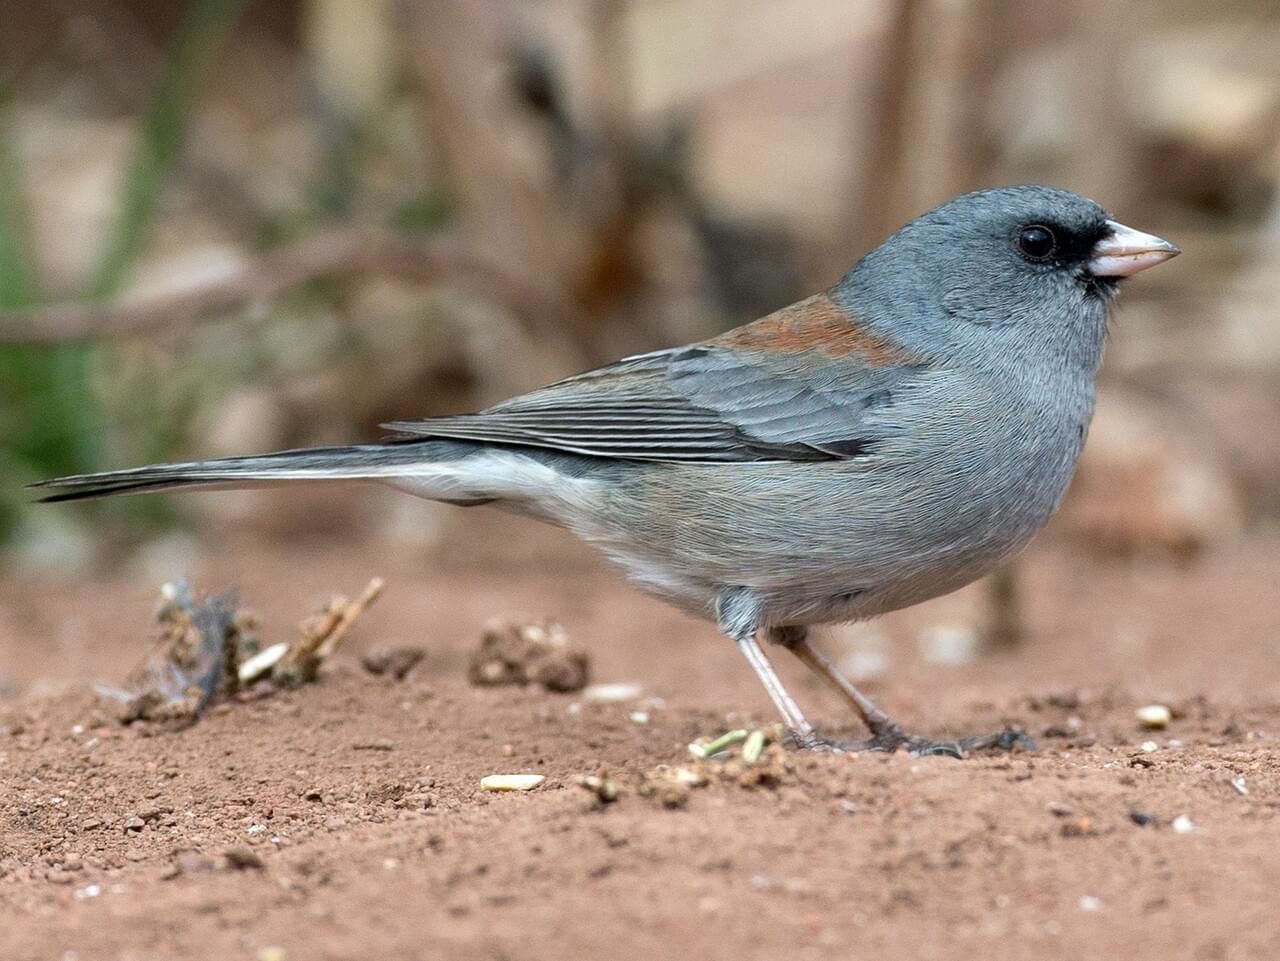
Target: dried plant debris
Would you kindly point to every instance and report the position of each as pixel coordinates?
(193, 659)
(208, 650)
(521, 651)
(321, 635)
(762, 762)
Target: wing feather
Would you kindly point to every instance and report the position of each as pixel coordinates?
(695, 404)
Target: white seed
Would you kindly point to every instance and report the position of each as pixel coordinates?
(753, 747)
(639, 717)
(1184, 825)
(609, 693)
(1150, 747)
(1156, 717)
(1240, 785)
(260, 663)
(511, 782)
(1090, 903)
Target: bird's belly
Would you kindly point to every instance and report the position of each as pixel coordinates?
(817, 542)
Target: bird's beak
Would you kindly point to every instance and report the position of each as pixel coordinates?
(1124, 251)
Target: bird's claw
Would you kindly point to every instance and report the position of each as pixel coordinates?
(891, 738)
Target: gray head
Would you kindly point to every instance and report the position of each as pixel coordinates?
(1012, 271)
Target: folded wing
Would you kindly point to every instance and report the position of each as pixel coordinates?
(764, 392)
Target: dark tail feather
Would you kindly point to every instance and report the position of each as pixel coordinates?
(365, 462)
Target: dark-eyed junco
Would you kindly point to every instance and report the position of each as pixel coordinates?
(857, 452)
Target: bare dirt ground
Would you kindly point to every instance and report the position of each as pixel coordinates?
(345, 820)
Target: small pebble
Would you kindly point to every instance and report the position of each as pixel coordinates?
(605, 790)
(511, 782)
(1155, 717)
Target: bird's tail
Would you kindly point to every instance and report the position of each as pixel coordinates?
(373, 462)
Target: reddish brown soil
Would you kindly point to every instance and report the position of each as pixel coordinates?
(354, 808)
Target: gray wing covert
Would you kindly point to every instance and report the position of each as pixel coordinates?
(703, 403)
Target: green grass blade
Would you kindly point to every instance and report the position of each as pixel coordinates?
(161, 135)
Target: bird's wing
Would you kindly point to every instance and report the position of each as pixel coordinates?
(797, 385)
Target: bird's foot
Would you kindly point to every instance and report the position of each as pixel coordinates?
(818, 743)
(891, 738)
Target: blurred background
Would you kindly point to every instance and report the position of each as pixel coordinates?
(229, 226)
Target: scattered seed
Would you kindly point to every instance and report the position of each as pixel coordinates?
(1156, 717)
(702, 750)
(1184, 825)
(639, 717)
(1150, 747)
(1241, 787)
(610, 693)
(511, 782)
(753, 747)
(1141, 818)
(1090, 903)
(262, 662)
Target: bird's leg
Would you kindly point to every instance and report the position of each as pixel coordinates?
(886, 734)
(737, 612)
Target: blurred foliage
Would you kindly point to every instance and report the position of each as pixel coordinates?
(49, 409)
(44, 405)
(161, 133)
(641, 174)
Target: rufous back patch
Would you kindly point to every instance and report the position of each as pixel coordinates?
(816, 323)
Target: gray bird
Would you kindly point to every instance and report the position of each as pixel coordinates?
(858, 452)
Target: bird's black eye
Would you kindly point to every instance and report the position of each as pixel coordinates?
(1037, 242)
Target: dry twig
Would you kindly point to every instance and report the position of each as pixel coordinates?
(437, 259)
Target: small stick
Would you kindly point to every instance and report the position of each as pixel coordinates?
(321, 635)
(347, 616)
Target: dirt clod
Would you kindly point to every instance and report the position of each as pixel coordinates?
(242, 859)
(208, 653)
(521, 651)
(395, 662)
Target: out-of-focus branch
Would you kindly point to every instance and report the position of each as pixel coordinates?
(421, 260)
